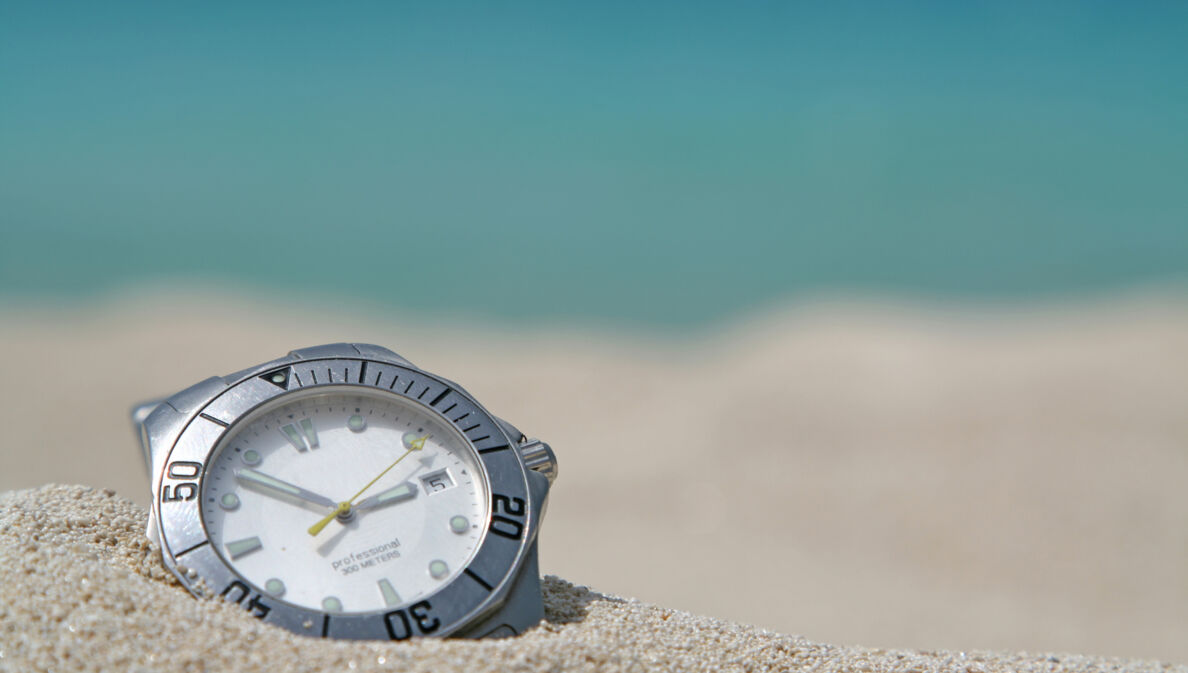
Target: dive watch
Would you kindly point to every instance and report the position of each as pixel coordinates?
(343, 492)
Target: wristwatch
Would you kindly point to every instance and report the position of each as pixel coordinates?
(343, 492)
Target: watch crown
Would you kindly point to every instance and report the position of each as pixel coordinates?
(540, 457)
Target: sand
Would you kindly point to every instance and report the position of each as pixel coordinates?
(885, 475)
(81, 589)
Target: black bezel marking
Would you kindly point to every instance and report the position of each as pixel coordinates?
(212, 419)
(190, 549)
(474, 576)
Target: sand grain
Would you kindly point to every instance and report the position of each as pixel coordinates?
(81, 589)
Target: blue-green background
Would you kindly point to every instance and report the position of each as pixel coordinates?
(648, 163)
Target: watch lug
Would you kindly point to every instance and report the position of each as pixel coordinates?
(523, 609)
(538, 490)
(381, 353)
(158, 423)
(513, 433)
(196, 396)
(152, 531)
(350, 350)
(140, 414)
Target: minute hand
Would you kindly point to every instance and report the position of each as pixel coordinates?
(274, 486)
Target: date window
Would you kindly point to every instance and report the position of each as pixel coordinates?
(436, 482)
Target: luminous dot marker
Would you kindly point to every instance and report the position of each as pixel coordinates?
(251, 457)
(229, 501)
(278, 377)
(331, 604)
(391, 598)
(357, 423)
(459, 524)
(275, 587)
(438, 569)
(245, 546)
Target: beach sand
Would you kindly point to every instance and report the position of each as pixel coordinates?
(862, 473)
(81, 589)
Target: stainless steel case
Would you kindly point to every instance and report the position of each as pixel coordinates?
(498, 594)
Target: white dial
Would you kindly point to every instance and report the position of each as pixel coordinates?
(345, 500)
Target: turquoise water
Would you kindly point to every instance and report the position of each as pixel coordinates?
(670, 163)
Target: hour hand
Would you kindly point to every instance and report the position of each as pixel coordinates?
(272, 486)
(398, 493)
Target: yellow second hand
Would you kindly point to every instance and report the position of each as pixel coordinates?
(345, 506)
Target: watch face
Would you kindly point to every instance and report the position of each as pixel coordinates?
(345, 499)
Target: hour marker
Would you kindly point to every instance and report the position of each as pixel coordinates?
(294, 436)
(229, 501)
(247, 545)
(291, 434)
(251, 457)
(357, 423)
(438, 569)
(331, 604)
(310, 435)
(459, 524)
(275, 587)
(391, 598)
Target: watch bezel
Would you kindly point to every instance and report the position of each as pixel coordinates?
(471, 595)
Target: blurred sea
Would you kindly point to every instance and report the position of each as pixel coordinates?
(660, 163)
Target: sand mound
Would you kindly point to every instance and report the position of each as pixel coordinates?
(81, 589)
